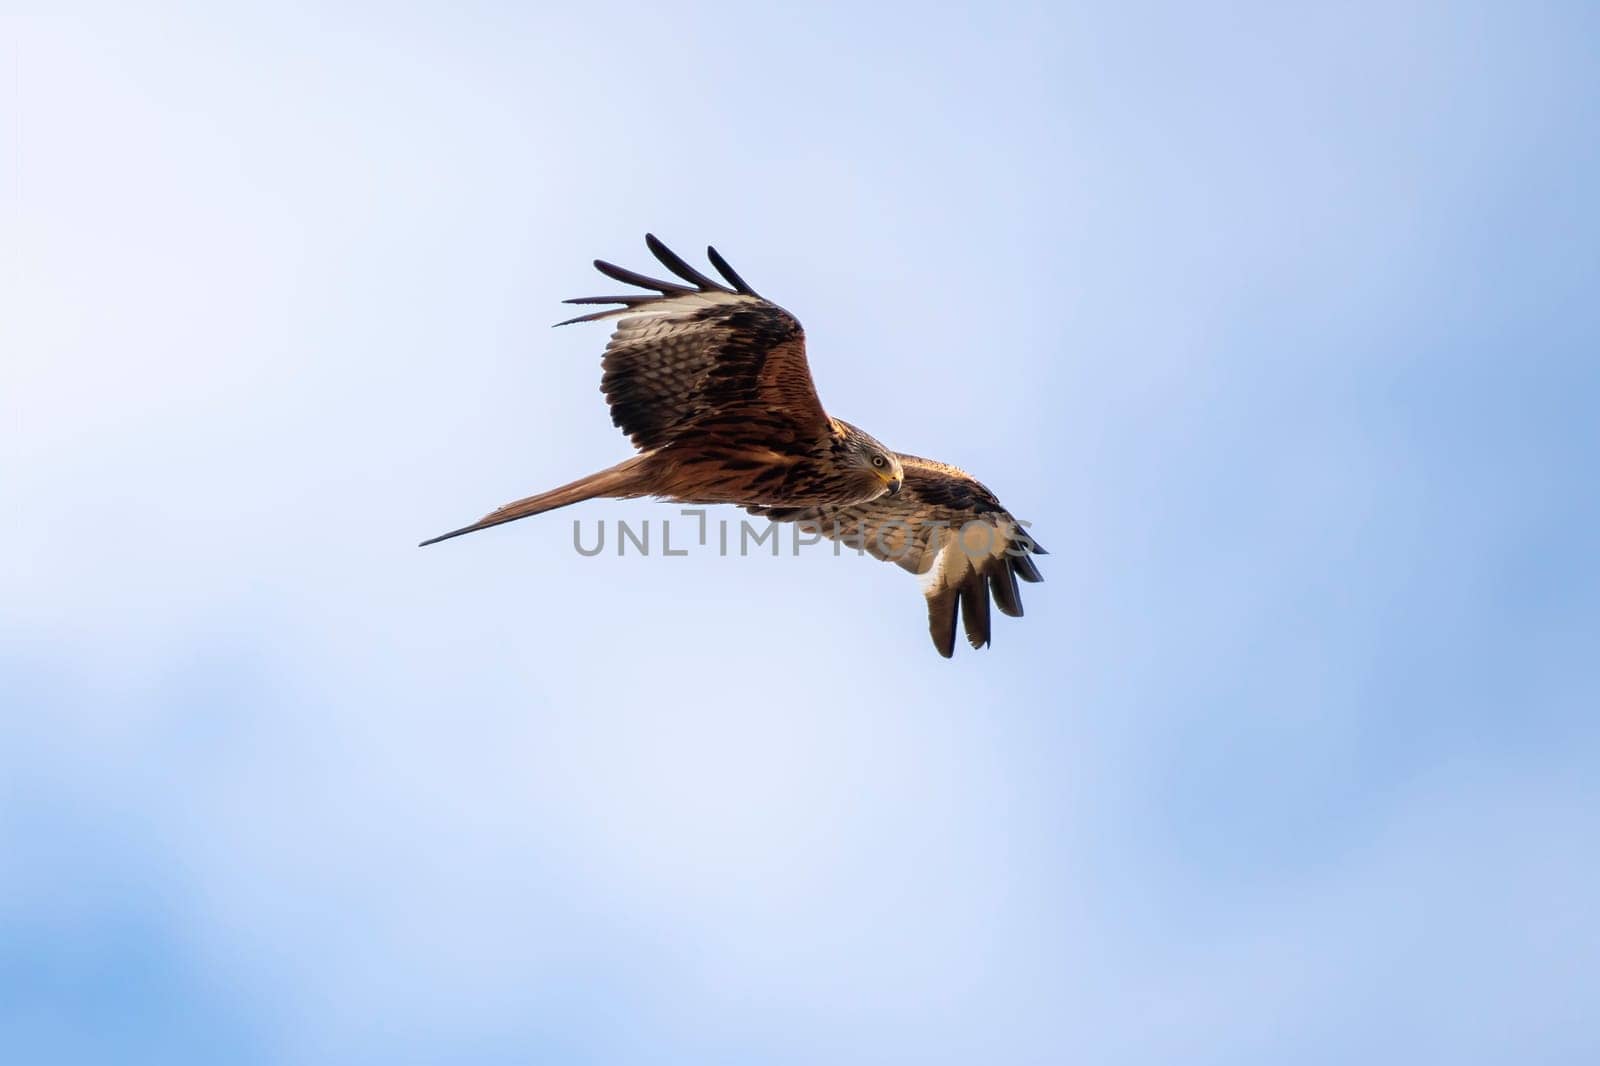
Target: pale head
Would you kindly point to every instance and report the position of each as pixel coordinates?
(878, 465)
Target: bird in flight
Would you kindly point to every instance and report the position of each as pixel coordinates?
(710, 382)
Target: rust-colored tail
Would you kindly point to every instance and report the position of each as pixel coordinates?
(620, 480)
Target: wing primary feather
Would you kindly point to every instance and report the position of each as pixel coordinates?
(630, 277)
(1007, 597)
(675, 263)
(975, 608)
(631, 300)
(1025, 569)
(594, 316)
(627, 302)
(942, 620)
(738, 283)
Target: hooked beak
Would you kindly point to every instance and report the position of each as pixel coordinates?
(893, 487)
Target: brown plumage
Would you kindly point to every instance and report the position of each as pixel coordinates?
(710, 382)
(946, 526)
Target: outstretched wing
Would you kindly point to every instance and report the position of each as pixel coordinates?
(944, 524)
(704, 361)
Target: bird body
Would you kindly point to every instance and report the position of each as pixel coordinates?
(710, 382)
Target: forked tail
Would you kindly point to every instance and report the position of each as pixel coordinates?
(620, 480)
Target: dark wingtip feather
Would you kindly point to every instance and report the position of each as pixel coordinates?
(732, 276)
(942, 620)
(626, 302)
(1025, 569)
(975, 609)
(629, 300)
(1007, 597)
(1024, 540)
(633, 277)
(675, 263)
(593, 316)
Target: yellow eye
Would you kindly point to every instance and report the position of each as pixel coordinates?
(877, 460)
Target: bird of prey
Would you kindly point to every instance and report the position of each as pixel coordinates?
(710, 382)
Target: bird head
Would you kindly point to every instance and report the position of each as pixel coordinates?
(879, 466)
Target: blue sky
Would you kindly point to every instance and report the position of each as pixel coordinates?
(1278, 322)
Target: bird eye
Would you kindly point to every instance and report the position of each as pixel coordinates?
(877, 460)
